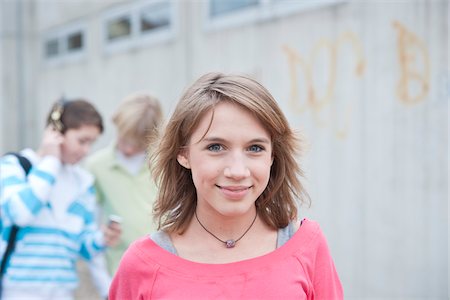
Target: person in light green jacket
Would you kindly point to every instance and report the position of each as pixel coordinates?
(123, 180)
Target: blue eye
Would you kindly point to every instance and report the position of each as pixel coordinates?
(255, 148)
(215, 147)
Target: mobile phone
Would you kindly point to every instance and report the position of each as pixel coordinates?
(114, 219)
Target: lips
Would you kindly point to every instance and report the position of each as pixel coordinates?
(234, 192)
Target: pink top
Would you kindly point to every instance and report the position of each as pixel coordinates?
(300, 269)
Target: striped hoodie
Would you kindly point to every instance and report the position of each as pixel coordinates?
(55, 210)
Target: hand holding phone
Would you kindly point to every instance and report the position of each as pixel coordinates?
(114, 219)
(113, 230)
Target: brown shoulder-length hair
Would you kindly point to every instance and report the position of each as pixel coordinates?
(177, 198)
(72, 114)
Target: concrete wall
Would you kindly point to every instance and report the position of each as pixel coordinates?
(366, 82)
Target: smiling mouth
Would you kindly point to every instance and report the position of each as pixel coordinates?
(234, 189)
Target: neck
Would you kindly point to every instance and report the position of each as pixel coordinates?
(224, 228)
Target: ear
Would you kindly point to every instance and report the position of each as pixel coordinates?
(183, 159)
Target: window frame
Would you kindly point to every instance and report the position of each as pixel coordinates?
(138, 38)
(46, 40)
(163, 34)
(61, 35)
(122, 43)
(266, 10)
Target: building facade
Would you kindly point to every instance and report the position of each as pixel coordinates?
(366, 83)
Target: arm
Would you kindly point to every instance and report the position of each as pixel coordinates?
(326, 283)
(94, 240)
(99, 272)
(135, 276)
(98, 266)
(23, 197)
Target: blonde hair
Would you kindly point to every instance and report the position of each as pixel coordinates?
(138, 118)
(176, 202)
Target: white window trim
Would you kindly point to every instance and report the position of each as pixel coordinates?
(78, 54)
(53, 35)
(161, 35)
(138, 38)
(264, 11)
(61, 34)
(121, 43)
(238, 18)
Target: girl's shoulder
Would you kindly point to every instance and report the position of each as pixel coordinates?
(286, 233)
(143, 253)
(308, 241)
(162, 239)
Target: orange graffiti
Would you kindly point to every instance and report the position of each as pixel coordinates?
(414, 83)
(315, 102)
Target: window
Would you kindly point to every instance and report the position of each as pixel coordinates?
(139, 23)
(219, 7)
(65, 43)
(220, 14)
(75, 42)
(51, 48)
(155, 17)
(119, 28)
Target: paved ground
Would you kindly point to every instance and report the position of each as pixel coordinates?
(86, 290)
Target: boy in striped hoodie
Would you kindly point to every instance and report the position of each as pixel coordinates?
(54, 206)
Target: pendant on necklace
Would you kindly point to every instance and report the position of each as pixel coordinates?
(230, 243)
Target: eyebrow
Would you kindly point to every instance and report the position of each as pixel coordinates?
(221, 140)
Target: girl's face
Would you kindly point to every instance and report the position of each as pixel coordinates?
(129, 147)
(231, 163)
(77, 143)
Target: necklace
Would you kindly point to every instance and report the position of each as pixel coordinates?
(228, 243)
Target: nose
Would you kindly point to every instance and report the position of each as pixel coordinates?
(129, 150)
(237, 167)
(86, 149)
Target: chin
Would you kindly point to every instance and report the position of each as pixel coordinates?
(236, 210)
(70, 161)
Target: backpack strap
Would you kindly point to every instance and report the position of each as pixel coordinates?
(24, 162)
(9, 249)
(26, 165)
